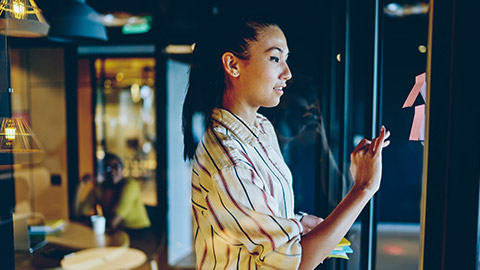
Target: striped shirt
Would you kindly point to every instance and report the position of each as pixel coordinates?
(242, 198)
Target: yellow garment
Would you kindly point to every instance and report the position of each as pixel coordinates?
(131, 208)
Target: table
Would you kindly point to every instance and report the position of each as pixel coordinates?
(79, 236)
(76, 237)
(106, 258)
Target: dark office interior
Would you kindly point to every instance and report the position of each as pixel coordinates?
(354, 64)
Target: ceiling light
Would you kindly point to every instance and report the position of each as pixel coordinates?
(22, 18)
(17, 138)
(179, 49)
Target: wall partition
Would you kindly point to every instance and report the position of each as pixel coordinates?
(6, 162)
(450, 229)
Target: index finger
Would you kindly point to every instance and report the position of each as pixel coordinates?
(379, 140)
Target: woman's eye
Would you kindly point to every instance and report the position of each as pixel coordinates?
(275, 59)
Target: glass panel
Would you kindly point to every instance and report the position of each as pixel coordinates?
(125, 118)
(40, 161)
(404, 43)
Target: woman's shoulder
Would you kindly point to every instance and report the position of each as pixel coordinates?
(220, 149)
(131, 184)
(265, 125)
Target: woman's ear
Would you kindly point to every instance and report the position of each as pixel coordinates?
(231, 64)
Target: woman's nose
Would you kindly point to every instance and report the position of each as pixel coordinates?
(286, 74)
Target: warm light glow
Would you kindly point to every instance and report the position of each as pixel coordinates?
(10, 133)
(17, 137)
(422, 48)
(339, 57)
(107, 83)
(135, 91)
(25, 18)
(179, 49)
(18, 10)
(100, 154)
(119, 77)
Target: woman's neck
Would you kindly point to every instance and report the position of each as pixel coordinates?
(246, 113)
(241, 109)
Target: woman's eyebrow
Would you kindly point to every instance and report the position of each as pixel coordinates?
(276, 48)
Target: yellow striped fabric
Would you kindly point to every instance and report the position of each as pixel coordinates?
(242, 198)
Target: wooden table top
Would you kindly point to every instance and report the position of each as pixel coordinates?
(79, 236)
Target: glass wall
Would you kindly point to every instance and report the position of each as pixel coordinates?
(125, 118)
(404, 58)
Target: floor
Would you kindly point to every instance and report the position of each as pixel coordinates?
(398, 249)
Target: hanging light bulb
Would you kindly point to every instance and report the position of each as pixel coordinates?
(18, 7)
(10, 131)
(17, 137)
(24, 17)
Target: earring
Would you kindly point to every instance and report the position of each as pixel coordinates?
(235, 74)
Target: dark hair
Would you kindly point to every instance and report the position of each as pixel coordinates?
(110, 156)
(207, 82)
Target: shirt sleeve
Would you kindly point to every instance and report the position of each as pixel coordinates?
(242, 211)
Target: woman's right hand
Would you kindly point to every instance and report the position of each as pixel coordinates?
(309, 222)
(366, 162)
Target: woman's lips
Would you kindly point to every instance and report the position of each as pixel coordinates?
(279, 89)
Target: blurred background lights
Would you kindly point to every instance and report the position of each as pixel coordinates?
(147, 147)
(397, 10)
(135, 92)
(393, 7)
(108, 19)
(107, 83)
(100, 154)
(357, 139)
(145, 91)
(422, 48)
(119, 77)
(179, 49)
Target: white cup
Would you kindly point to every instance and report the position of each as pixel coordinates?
(98, 224)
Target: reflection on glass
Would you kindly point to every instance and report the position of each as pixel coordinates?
(398, 242)
(319, 182)
(125, 118)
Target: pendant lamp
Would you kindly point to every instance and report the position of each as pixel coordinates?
(22, 18)
(74, 20)
(17, 138)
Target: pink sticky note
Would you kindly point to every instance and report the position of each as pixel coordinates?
(419, 82)
(421, 136)
(417, 123)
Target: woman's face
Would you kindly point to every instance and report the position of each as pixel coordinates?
(113, 171)
(263, 76)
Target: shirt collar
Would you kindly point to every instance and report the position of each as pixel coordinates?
(236, 124)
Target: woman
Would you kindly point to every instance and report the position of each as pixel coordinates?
(122, 205)
(242, 194)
